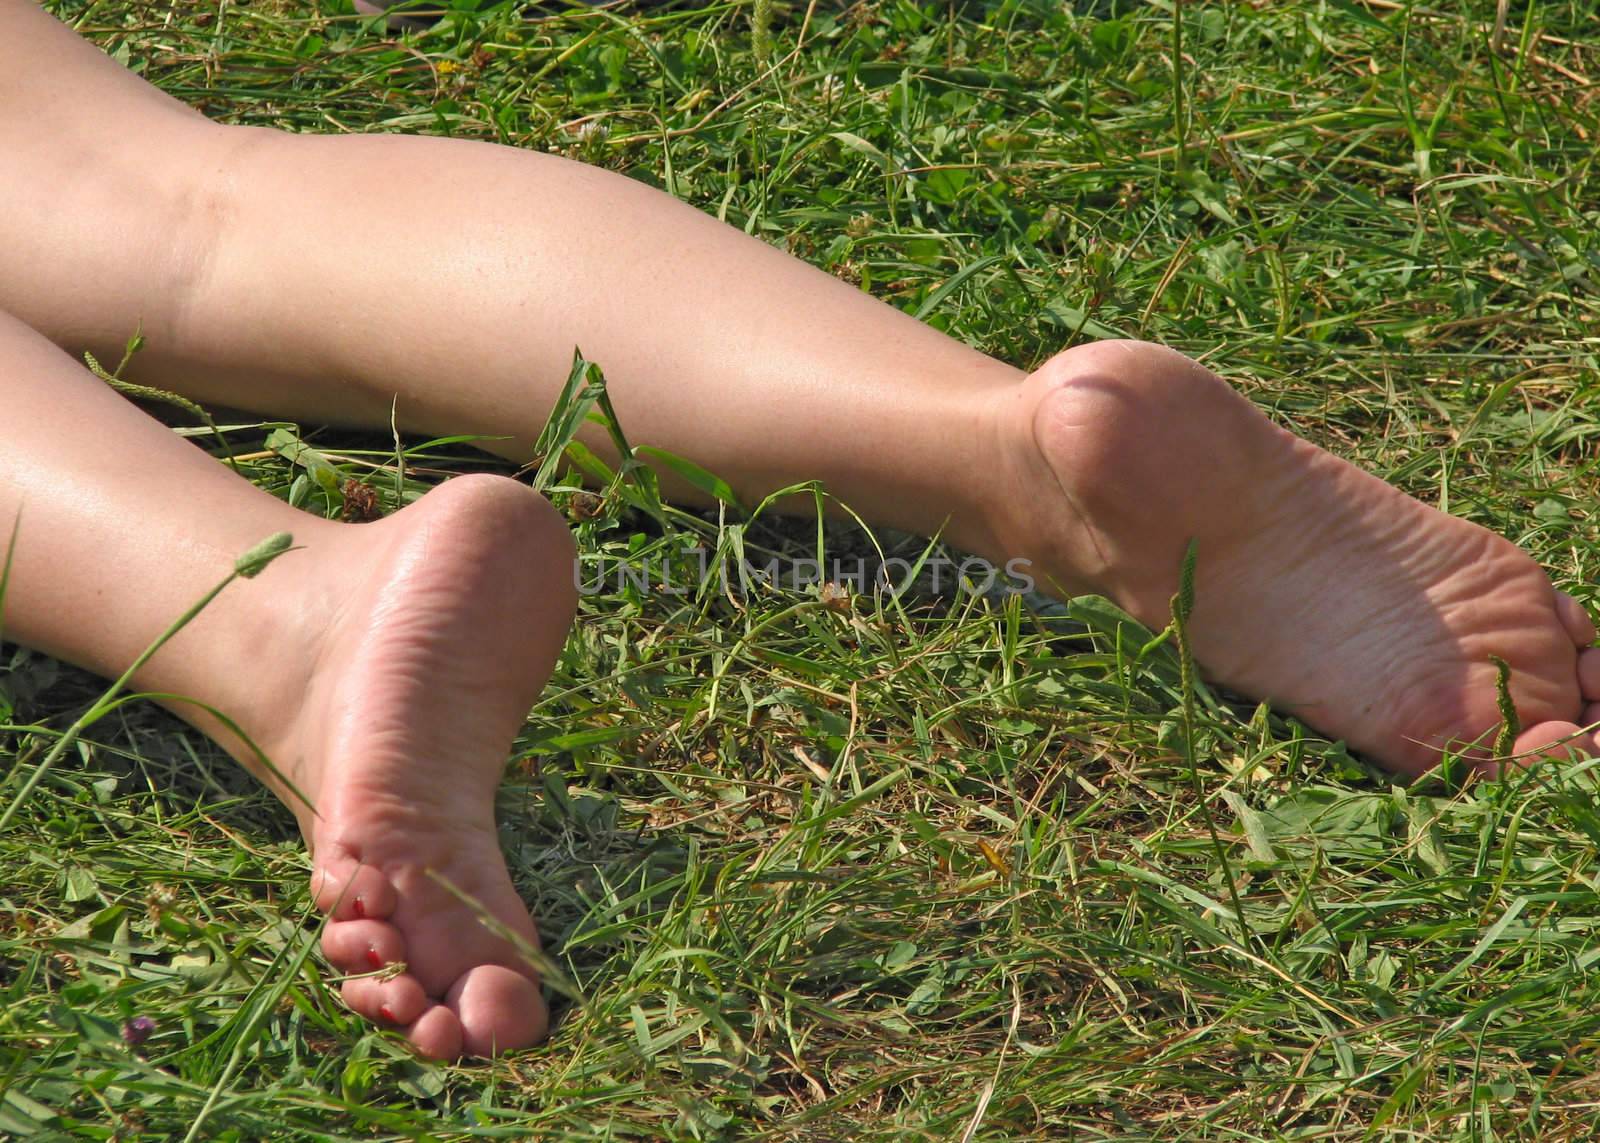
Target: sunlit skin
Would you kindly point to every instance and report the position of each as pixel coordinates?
(386, 667)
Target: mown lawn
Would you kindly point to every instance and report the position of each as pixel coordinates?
(822, 865)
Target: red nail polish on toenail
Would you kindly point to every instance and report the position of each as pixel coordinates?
(358, 908)
(387, 1013)
(373, 959)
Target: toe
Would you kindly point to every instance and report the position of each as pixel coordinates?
(500, 1009)
(1575, 619)
(362, 946)
(437, 1034)
(349, 891)
(1589, 673)
(395, 1002)
(1552, 740)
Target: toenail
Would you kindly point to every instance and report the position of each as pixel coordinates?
(358, 908)
(373, 959)
(387, 1013)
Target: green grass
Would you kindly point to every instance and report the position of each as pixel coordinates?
(943, 869)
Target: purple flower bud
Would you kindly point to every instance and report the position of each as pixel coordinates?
(138, 1030)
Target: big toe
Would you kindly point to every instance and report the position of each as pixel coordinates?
(499, 1010)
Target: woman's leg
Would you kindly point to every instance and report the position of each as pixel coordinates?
(383, 668)
(268, 272)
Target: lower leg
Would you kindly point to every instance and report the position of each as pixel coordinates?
(401, 658)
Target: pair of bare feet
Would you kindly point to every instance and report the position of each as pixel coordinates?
(1365, 612)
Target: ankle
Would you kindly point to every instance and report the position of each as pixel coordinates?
(1037, 509)
(957, 480)
(244, 667)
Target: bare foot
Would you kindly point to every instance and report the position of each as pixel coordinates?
(450, 617)
(1347, 603)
